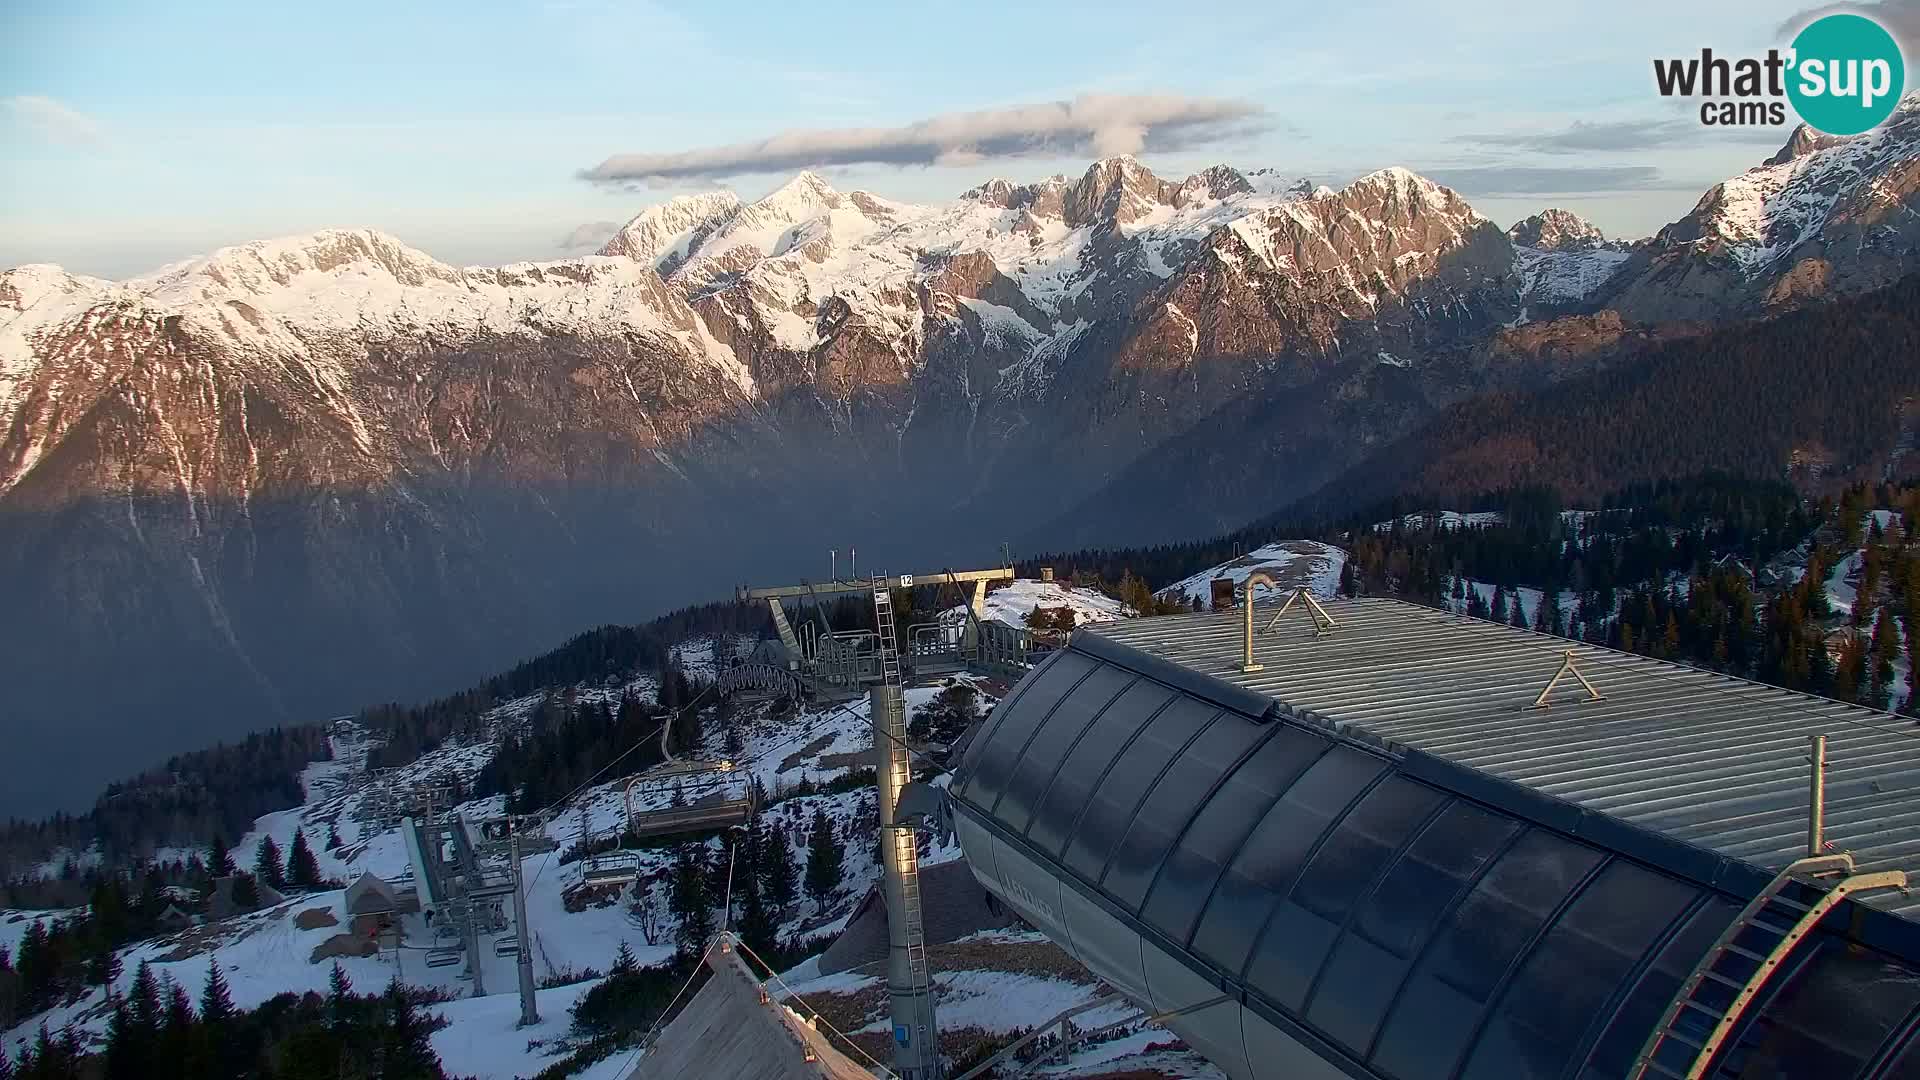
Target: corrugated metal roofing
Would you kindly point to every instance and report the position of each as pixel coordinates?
(1715, 761)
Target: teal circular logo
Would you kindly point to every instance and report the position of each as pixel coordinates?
(1847, 76)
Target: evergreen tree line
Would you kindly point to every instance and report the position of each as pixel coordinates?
(749, 877)
(566, 741)
(1629, 591)
(62, 960)
(158, 1031)
(180, 804)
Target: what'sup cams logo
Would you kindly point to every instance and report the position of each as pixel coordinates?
(1843, 75)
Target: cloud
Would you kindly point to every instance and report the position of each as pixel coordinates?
(1531, 180)
(1900, 17)
(55, 120)
(589, 237)
(1583, 136)
(1092, 124)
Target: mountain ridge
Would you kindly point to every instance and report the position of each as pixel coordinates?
(298, 475)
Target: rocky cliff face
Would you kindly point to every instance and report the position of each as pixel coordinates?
(1554, 229)
(1823, 217)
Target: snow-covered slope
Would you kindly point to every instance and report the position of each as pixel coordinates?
(1291, 563)
(273, 951)
(1016, 600)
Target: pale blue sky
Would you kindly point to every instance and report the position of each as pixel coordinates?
(138, 133)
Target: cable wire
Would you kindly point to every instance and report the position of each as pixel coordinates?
(775, 976)
(654, 1028)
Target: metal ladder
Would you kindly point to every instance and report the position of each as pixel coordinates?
(910, 903)
(1709, 1004)
(885, 649)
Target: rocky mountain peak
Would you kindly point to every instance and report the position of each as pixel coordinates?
(266, 266)
(1554, 229)
(1214, 182)
(998, 191)
(666, 234)
(1802, 142)
(1408, 184)
(1117, 190)
(808, 192)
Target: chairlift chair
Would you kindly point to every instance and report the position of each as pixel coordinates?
(444, 957)
(506, 945)
(610, 868)
(696, 817)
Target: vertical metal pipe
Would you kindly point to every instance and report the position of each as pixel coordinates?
(523, 938)
(1246, 620)
(1817, 796)
(916, 1043)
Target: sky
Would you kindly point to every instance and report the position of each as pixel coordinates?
(137, 134)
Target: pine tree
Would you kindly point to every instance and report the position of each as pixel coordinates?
(333, 838)
(688, 900)
(757, 929)
(125, 1060)
(1349, 584)
(339, 995)
(406, 1052)
(219, 862)
(777, 874)
(177, 1033)
(1880, 657)
(103, 969)
(267, 865)
(1498, 613)
(1519, 616)
(143, 999)
(623, 962)
(216, 1001)
(303, 870)
(826, 856)
(246, 892)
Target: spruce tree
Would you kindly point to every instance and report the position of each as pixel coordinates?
(688, 900)
(219, 862)
(216, 1001)
(103, 967)
(1880, 656)
(303, 870)
(246, 892)
(177, 1033)
(757, 929)
(125, 1059)
(777, 874)
(623, 961)
(826, 856)
(339, 996)
(143, 999)
(406, 1051)
(267, 865)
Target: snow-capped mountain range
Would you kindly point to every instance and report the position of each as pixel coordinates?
(328, 469)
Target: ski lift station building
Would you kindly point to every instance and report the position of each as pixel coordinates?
(1380, 854)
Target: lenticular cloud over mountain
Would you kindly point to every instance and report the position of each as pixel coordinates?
(1095, 124)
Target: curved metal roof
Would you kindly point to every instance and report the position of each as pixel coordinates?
(1695, 756)
(1413, 917)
